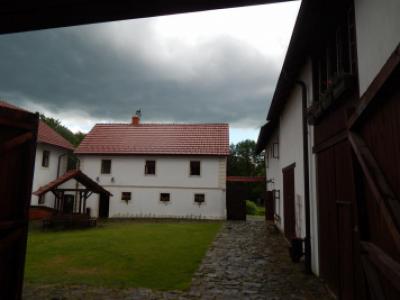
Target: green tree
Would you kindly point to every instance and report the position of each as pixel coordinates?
(74, 138)
(243, 161)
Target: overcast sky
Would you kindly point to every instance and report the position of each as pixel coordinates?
(216, 66)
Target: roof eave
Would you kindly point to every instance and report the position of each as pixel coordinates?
(296, 56)
(264, 137)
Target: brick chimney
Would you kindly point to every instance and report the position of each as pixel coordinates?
(136, 117)
(135, 120)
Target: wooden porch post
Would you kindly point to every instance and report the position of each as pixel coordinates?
(84, 201)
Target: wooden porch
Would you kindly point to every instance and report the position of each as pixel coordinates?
(70, 206)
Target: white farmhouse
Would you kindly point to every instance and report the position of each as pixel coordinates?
(157, 170)
(51, 159)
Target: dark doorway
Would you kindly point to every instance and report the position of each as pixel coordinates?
(269, 206)
(235, 201)
(104, 205)
(288, 202)
(68, 204)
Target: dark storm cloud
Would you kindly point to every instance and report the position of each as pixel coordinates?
(109, 74)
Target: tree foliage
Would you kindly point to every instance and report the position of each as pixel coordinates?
(74, 138)
(243, 161)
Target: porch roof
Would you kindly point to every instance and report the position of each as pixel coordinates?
(79, 176)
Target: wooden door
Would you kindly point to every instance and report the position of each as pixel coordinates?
(375, 138)
(104, 205)
(289, 215)
(336, 197)
(269, 206)
(18, 131)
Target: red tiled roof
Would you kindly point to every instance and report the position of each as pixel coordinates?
(172, 139)
(9, 105)
(45, 133)
(49, 136)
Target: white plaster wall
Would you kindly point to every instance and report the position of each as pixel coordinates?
(172, 176)
(145, 203)
(274, 174)
(170, 171)
(290, 137)
(378, 34)
(42, 175)
(313, 203)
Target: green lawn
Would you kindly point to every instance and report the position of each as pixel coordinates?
(157, 255)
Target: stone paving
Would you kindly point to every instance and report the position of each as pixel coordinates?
(247, 260)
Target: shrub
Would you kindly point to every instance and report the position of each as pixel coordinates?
(251, 208)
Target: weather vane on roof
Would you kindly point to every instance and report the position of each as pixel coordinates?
(139, 113)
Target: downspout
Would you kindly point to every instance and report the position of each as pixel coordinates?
(307, 242)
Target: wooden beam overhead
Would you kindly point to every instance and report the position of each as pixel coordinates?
(16, 16)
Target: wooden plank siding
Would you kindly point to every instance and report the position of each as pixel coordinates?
(18, 132)
(327, 218)
(288, 202)
(336, 194)
(379, 132)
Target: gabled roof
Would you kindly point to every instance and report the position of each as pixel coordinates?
(46, 134)
(311, 21)
(313, 17)
(157, 139)
(79, 176)
(49, 136)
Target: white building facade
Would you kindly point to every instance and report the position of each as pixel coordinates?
(185, 178)
(285, 149)
(50, 163)
(136, 194)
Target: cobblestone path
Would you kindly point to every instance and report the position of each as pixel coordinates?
(247, 260)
